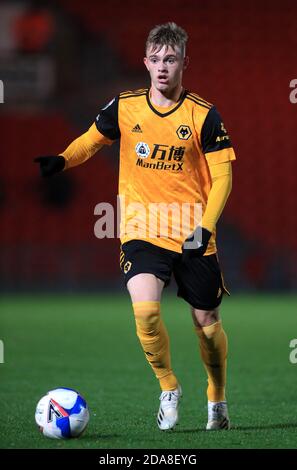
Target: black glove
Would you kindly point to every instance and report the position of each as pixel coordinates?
(50, 165)
(199, 247)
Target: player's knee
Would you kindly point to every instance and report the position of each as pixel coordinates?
(205, 318)
(147, 315)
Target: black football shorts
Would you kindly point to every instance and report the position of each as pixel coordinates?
(199, 279)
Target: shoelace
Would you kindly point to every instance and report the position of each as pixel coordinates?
(170, 397)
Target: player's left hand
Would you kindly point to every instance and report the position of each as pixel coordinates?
(199, 244)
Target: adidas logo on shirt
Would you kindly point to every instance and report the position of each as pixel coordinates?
(137, 128)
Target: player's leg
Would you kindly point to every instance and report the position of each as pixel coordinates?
(145, 290)
(147, 269)
(213, 350)
(200, 284)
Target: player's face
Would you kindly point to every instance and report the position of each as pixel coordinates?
(166, 67)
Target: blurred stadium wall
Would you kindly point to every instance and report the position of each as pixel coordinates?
(60, 61)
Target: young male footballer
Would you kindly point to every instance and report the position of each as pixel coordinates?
(175, 152)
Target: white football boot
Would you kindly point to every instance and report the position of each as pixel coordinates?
(168, 412)
(217, 416)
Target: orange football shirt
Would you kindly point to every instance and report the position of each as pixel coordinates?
(164, 155)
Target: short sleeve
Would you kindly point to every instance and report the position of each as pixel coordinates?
(107, 121)
(215, 141)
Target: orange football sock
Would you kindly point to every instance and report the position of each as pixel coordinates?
(213, 349)
(154, 340)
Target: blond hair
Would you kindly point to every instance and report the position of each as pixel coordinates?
(168, 34)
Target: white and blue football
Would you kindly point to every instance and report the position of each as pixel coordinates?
(62, 414)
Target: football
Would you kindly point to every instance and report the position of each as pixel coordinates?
(62, 414)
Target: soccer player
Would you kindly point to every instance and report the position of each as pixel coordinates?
(174, 150)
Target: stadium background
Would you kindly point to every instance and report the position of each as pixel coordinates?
(60, 61)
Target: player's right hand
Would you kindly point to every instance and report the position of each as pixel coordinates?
(49, 165)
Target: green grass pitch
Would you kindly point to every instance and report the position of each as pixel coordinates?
(89, 343)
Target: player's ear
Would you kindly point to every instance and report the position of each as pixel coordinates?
(186, 61)
(145, 60)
